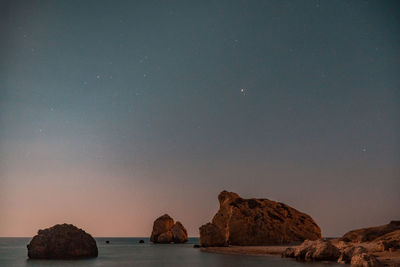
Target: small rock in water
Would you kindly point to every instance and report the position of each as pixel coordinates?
(107, 241)
(141, 241)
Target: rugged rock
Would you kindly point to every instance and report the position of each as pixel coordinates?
(371, 233)
(317, 250)
(389, 241)
(212, 235)
(256, 222)
(161, 225)
(324, 250)
(165, 238)
(348, 252)
(179, 233)
(62, 241)
(364, 260)
(165, 231)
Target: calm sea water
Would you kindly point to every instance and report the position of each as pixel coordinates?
(128, 252)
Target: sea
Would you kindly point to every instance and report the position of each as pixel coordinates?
(129, 252)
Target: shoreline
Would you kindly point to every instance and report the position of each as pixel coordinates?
(387, 258)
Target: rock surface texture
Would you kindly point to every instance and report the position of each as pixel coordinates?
(371, 233)
(317, 250)
(62, 241)
(324, 250)
(253, 221)
(166, 231)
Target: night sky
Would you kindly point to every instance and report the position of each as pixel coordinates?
(113, 113)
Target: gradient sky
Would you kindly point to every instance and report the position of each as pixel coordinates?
(113, 113)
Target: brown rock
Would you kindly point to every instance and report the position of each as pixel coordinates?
(211, 235)
(62, 241)
(364, 260)
(288, 253)
(179, 233)
(165, 231)
(317, 250)
(161, 225)
(256, 222)
(347, 253)
(371, 233)
(389, 241)
(165, 238)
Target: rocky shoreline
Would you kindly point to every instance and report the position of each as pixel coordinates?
(385, 258)
(367, 247)
(261, 226)
(245, 227)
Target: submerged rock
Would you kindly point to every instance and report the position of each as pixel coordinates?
(62, 241)
(166, 231)
(256, 222)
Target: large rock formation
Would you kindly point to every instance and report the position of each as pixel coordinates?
(62, 241)
(371, 233)
(165, 231)
(256, 222)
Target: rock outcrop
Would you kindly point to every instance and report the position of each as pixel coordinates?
(179, 233)
(324, 250)
(62, 241)
(256, 222)
(364, 260)
(347, 252)
(371, 233)
(166, 231)
(317, 250)
(389, 241)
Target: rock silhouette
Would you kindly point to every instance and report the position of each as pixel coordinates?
(166, 231)
(62, 241)
(256, 222)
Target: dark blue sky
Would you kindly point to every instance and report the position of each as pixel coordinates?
(111, 109)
